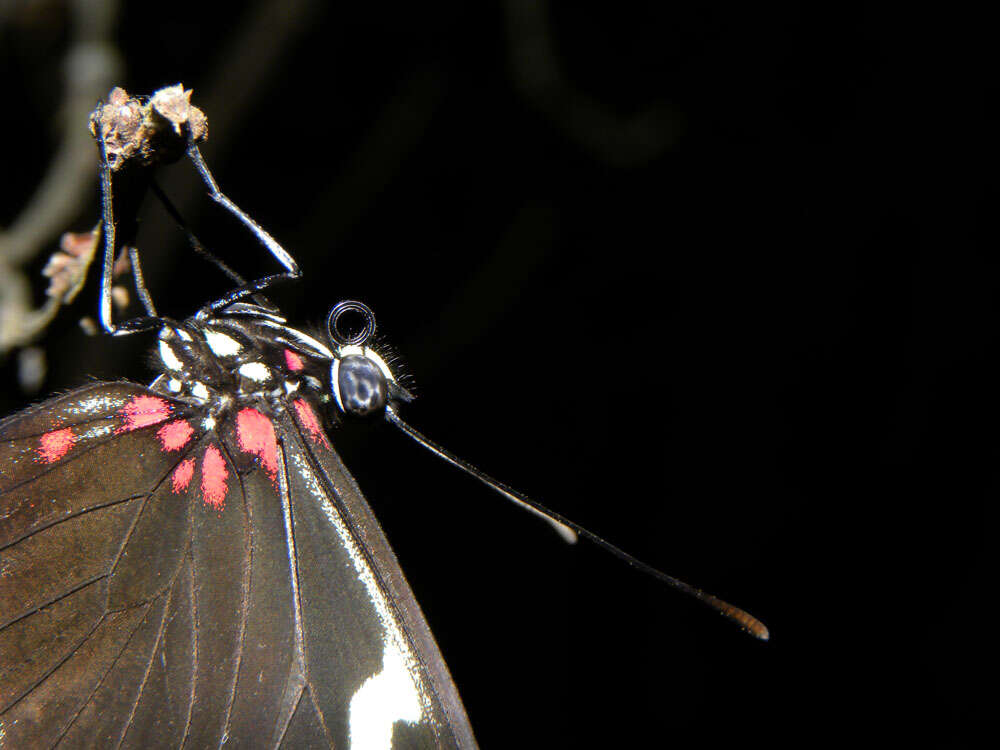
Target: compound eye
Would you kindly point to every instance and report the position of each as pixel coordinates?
(361, 385)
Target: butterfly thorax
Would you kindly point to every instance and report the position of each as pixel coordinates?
(234, 359)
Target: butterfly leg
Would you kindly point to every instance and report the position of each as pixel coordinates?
(280, 254)
(110, 231)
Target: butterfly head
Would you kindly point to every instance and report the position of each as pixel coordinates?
(361, 382)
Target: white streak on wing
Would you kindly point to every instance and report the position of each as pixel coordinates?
(168, 357)
(221, 344)
(383, 699)
(397, 688)
(198, 390)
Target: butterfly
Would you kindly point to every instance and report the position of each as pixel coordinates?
(190, 562)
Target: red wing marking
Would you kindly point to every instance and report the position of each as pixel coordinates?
(309, 420)
(181, 477)
(255, 435)
(54, 445)
(293, 361)
(175, 435)
(213, 478)
(142, 411)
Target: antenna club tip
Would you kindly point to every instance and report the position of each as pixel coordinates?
(754, 626)
(745, 620)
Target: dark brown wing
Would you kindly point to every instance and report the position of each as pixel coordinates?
(162, 586)
(93, 540)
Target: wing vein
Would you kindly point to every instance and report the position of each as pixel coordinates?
(148, 496)
(278, 740)
(107, 671)
(149, 667)
(62, 661)
(80, 512)
(194, 642)
(245, 599)
(97, 443)
(301, 662)
(52, 601)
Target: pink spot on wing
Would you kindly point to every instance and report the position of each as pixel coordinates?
(213, 478)
(54, 445)
(294, 361)
(255, 434)
(181, 477)
(175, 435)
(142, 411)
(311, 423)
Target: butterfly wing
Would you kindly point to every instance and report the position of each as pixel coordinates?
(336, 531)
(92, 537)
(165, 581)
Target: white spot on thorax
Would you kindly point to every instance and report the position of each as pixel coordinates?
(221, 344)
(382, 700)
(169, 359)
(209, 423)
(256, 371)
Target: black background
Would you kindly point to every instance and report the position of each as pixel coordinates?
(718, 283)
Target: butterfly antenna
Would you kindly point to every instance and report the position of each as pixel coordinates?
(569, 530)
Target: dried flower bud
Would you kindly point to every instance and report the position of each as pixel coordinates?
(67, 267)
(147, 133)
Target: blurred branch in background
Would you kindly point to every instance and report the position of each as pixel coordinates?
(619, 140)
(90, 66)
